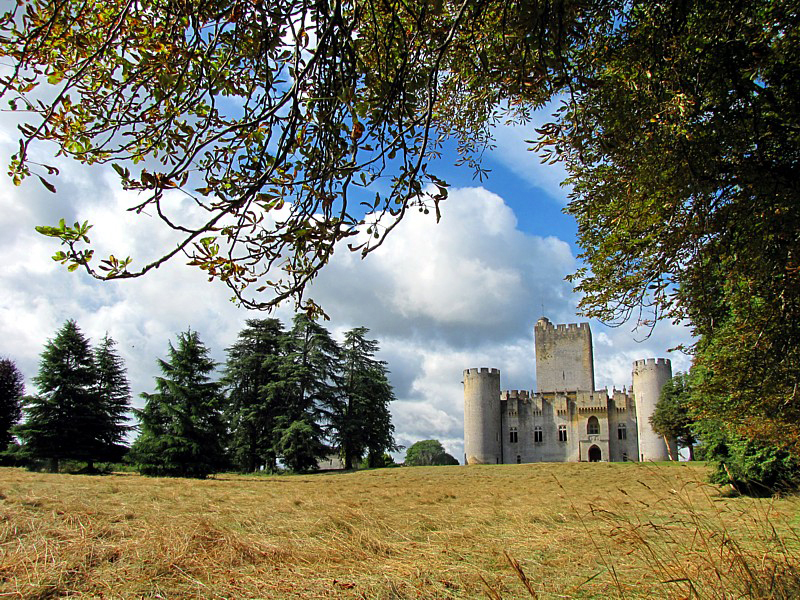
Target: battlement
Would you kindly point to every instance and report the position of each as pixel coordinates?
(512, 394)
(562, 328)
(481, 371)
(652, 363)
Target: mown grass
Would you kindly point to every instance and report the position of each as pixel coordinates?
(572, 530)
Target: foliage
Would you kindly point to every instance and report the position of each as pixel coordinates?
(672, 417)
(68, 419)
(386, 462)
(12, 388)
(428, 453)
(300, 446)
(253, 378)
(115, 395)
(182, 430)
(360, 419)
(751, 467)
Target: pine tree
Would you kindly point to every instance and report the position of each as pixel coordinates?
(12, 388)
(361, 420)
(253, 375)
(311, 377)
(115, 395)
(66, 420)
(182, 430)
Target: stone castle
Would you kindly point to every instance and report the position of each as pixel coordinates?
(566, 419)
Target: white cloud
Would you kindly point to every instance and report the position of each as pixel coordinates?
(440, 298)
(514, 151)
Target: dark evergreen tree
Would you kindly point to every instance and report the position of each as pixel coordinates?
(115, 396)
(360, 417)
(253, 377)
(182, 430)
(12, 388)
(66, 420)
(300, 445)
(310, 378)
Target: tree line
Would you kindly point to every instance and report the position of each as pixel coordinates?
(284, 397)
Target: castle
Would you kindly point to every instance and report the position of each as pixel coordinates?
(566, 419)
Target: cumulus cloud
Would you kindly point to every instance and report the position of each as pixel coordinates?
(440, 298)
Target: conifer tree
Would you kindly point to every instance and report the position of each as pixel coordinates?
(253, 374)
(360, 417)
(66, 420)
(310, 377)
(182, 430)
(115, 395)
(12, 388)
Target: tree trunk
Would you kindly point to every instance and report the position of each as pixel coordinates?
(53, 466)
(669, 451)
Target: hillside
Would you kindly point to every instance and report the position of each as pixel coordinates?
(577, 530)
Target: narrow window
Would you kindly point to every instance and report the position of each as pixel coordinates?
(513, 435)
(562, 433)
(519, 459)
(593, 426)
(538, 434)
(622, 432)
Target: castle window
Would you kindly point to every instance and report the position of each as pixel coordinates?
(519, 459)
(538, 434)
(624, 457)
(513, 435)
(622, 432)
(562, 433)
(593, 426)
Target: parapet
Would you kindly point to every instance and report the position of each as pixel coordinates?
(512, 394)
(481, 371)
(652, 363)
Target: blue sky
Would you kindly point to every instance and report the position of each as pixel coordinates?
(439, 298)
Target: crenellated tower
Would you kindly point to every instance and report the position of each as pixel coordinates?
(482, 444)
(564, 359)
(649, 376)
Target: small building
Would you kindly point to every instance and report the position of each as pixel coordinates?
(565, 419)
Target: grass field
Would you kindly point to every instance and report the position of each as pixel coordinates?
(575, 530)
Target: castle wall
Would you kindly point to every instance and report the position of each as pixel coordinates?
(649, 376)
(482, 417)
(564, 358)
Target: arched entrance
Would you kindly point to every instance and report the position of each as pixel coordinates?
(595, 455)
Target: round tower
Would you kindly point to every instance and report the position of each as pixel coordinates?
(649, 376)
(482, 416)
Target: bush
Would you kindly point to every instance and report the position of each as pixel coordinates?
(751, 467)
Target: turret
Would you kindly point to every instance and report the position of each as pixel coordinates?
(649, 376)
(482, 416)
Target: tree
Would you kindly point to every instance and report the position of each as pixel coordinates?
(679, 126)
(154, 90)
(12, 388)
(182, 430)
(115, 395)
(360, 418)
(672, 417)
(67, 419)
(312, 377)
(428, 453)
(253, 378)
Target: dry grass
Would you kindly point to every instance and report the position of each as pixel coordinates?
(572, 530)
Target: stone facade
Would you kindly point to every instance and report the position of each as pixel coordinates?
(566, 419)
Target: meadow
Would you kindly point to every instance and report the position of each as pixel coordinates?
(510, 531)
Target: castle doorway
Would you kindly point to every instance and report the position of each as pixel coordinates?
(595, 455)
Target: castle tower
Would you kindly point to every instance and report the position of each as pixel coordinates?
(564, 358)
(482, 444)
(649, 376)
